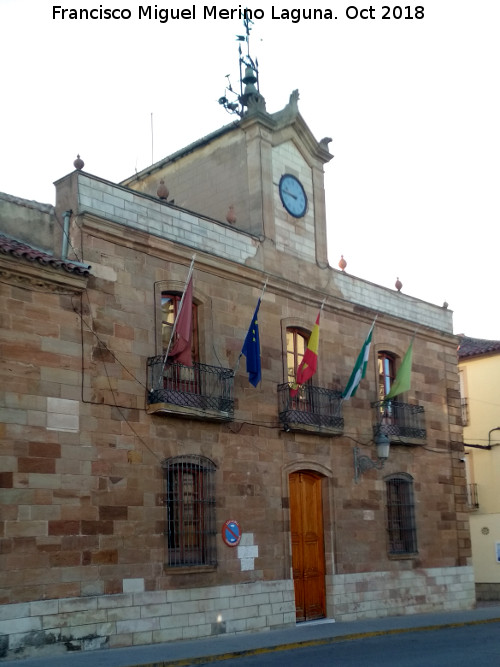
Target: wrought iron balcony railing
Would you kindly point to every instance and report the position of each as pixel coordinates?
(464, 407)
(400, 422)
(313, 409)
(200, 391)
(472, 497)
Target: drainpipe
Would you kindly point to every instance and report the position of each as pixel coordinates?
(466, 444)
(497, 428)
(65, 239)
(489, 445)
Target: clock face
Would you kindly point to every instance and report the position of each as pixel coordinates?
(293, 195)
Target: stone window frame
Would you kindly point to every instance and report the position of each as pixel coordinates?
(302, 326)
(203, 305)
(175, 298)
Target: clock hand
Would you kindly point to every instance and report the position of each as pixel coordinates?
(287, 192)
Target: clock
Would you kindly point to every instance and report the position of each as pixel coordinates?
(293, 195)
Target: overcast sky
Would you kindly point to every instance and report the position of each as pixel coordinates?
(412, 106)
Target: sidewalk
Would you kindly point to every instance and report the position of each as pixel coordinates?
(207, 650)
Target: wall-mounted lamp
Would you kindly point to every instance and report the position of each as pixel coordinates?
(363, 463)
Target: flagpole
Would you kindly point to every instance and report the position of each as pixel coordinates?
(179, 310)
(263, 289)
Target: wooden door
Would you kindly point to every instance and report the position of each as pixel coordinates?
(308, 555)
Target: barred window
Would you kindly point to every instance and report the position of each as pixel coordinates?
(401, 527)
(190, 501)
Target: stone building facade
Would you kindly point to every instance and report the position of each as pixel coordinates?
(146, 505)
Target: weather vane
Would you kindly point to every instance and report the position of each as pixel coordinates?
(249, 77)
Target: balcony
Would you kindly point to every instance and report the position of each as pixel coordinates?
(464, 410)
(313, 409)
(472, 497)
(402, 423)
(201, 392)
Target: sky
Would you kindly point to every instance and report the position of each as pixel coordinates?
(412, 106)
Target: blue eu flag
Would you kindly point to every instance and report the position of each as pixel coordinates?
(251, 350)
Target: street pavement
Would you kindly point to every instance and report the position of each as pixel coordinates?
(202, 651)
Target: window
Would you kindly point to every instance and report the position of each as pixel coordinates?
(176, 376)
(296, 344)
(401, 526)
(170, 303)
(386, 373)
(190, 501)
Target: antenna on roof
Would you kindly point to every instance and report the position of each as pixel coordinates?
(249, 76)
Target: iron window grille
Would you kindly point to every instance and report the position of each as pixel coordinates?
(401, 526)
(190, 505)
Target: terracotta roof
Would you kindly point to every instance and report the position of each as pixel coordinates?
(20, 250)
(472, 347)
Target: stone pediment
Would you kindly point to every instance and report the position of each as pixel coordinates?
(290, 118)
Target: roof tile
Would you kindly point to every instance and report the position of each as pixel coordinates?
(20, 250)
(472, 347)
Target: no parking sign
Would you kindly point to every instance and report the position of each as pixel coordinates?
(231, 533)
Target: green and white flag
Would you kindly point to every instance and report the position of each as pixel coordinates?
(402, 380)
(359, 370)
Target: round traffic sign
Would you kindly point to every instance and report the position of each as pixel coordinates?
(231, 533)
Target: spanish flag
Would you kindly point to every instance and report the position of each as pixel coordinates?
(309, 362)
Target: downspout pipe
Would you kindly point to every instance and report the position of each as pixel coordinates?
(497, 428)
(466, 444)
(65, 239)
(489, 445)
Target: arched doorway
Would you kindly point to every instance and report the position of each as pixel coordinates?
(308, 553)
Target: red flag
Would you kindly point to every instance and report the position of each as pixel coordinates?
(180, 351)
(309, 362)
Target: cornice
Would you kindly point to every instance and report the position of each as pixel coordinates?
(40, 278)
(280, 287)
